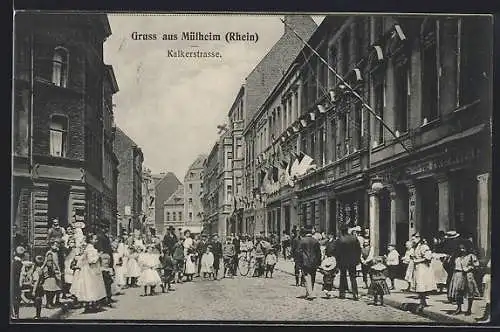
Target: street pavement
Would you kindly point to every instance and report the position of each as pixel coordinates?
(438, 309)
(244, 299)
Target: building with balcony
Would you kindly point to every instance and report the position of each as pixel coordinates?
(129, 188)
(428, 169)
(59, 135)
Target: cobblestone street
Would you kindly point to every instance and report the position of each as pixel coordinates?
(244, 298)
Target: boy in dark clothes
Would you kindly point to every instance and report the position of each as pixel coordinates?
(167, 264)
(107, 275)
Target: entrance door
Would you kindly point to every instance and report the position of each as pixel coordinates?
(429, 222)
(58, 203)
(332, 224)
(287, 219)
(465, 204)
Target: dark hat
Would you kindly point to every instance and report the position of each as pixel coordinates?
(171, 228)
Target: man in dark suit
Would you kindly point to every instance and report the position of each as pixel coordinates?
(299, 281)
(309, 252)
(347, 252)
(103, 244)
(170, 239)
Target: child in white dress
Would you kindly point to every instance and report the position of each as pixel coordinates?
(149, 277)
(119, 281)
(190, 265)
(207, 263)
(133, 268)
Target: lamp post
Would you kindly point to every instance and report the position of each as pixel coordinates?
(376, 187)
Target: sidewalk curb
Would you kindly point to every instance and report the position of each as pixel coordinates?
(398, 305)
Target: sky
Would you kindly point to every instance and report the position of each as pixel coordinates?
(170, 106)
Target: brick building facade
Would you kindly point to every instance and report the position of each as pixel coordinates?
(57, 122)
(129, 187)
(165, 185)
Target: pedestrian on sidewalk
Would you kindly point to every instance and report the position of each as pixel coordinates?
(260, 255)
(425, 283)
(348, 254)
(217, 252)
(149, 277)
(329, 269)
(408, 265)
(170, 239)
(108, 277)
(119, 280)
(178, 257)
(237, 250)
(200, 249)
(17, 266)
(190, 264)
(228, 252)
(366, 260)
(310, 260)
(207, 263)
(463, 284)
(486, 294)
(38, 292)
(299, 277)
(378, 287)
(71, 253)
(392, 261)
(52, 279)
(168, 270)
(285, 244)
(133, 268)
(271, 261)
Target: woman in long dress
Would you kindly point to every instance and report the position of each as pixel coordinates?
(68, 271)
(425, 282)
(90, 288)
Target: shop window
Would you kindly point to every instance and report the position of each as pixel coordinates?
(58, 135)
(60, 66)
(429, 70)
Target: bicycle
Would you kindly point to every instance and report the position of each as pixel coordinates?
(246, 263)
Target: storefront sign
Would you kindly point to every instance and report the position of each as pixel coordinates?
(450, 159)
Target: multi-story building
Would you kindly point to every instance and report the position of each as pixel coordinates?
(217, 198)
(57, 122)
(193, 187)
(263, 78)
(148, 199)
(429, 80)
(129, 188)
(110, 161)
(165, 185)
(174, 210)
(235, 127)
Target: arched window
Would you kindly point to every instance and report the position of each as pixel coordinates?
(58, 136)
(60, 66)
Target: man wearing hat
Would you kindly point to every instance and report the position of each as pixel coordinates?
(347, 254)
(17, 266)
(299, 279)
(56, 232)
(170, 239)
(201, 247)
(450, 245)
(217, 252)
(309, 259)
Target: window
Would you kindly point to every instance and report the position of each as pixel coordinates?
(313, 213)
(379, 102)
(180, 216)
(333, 137)
(322, 141)
(190, 188)
(401, 93)
(174, 215)
(58, 136)
(229, 190)
(190, 201)
(429, 71)
(168, 216)
(360, 39)
(303, 144)
(342, 134)
(60, 67)
(21, 121)
(313, 145)
(190, 216)
(358, 123)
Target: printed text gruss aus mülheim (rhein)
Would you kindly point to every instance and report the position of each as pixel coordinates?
(198, 36)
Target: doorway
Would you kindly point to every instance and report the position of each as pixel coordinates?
(465, 203)
(402, 223)
(58, 203)
(429, 194)
(287, 219)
